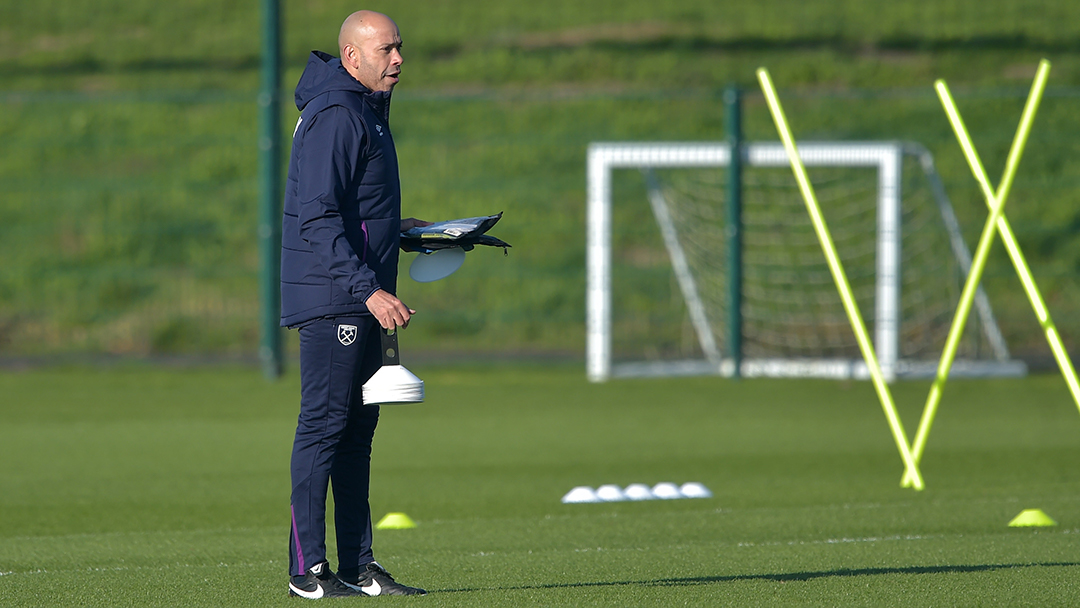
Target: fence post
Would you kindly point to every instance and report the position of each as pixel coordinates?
(269, 234)
(733, 125)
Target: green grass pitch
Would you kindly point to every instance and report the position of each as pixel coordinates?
(153, 487)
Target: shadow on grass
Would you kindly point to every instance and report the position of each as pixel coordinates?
(786, 577)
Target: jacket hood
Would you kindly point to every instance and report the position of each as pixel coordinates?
(325, 73)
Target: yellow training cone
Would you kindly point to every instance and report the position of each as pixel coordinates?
(1032, 517)
(395, 521)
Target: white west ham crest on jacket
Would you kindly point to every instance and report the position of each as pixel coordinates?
(346, 334)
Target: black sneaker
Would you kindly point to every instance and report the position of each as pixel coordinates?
(320, 582)
(373, 580)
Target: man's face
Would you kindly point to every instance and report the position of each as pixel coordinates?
(380, 57)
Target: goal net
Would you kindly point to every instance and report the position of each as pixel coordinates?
(659, 296)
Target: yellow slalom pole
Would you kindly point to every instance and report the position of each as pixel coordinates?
(837, 269)
(1039, 306)
(995, 201)
(1028, 281)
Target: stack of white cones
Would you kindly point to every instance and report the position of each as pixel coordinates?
(392, 383)
(637, 491)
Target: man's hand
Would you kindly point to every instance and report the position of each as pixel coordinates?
(412, 222)
(389, 311)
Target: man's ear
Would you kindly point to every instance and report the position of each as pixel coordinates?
(349, 55)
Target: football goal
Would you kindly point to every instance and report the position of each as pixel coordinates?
(668, 294)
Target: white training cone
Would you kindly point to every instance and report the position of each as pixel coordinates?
(610, 493)
(693, 489)
(580, 494)
(638, 491)
(666, 490)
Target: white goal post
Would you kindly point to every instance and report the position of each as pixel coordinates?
(886, 158)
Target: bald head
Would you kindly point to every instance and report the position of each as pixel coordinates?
(360, 25)
(370, 46)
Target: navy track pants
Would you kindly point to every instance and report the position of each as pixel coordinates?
(333, 442)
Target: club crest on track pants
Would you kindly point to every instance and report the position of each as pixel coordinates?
(332, 447)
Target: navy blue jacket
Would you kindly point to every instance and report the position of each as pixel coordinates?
(342, 217)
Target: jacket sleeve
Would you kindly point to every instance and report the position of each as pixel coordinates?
(332, 152)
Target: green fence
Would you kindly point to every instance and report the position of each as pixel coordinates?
(127, 224)
(129, 220)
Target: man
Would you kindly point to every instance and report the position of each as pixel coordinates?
(339, 255)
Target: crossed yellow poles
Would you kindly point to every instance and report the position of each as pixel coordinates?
(911, 454)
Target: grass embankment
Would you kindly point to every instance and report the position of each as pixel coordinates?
(129, 173)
